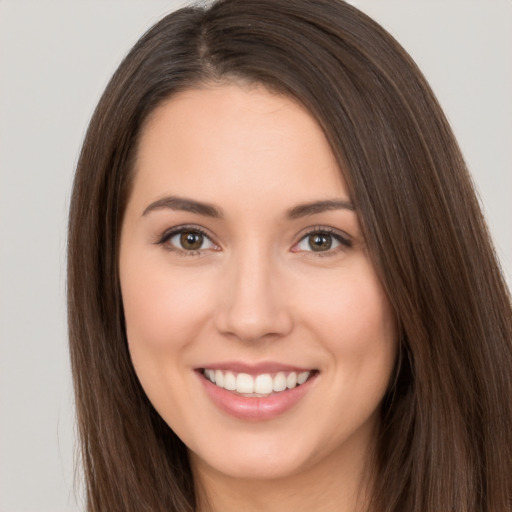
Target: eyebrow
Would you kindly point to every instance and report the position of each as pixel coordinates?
(209, 210)
(303, 210)
(185, 205)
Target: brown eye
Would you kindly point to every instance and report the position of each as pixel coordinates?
(187, 240)
(323, 241)
(319, 242)
(191, 240)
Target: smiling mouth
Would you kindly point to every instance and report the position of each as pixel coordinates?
(257, 386)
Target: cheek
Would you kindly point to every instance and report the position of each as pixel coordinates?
(162, 309)
(355, 320)
(163, 314)
(358, 330)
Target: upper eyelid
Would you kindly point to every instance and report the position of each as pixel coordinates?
(337, 233)
(164, 238)
(169, 233)
(325, 229)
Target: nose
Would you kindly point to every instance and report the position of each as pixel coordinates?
(252, 301)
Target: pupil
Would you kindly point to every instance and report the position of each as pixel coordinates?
(191, 240)
(320, 242)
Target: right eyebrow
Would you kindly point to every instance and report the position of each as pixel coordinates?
(184, 204)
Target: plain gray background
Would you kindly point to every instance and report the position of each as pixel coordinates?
(55, 59)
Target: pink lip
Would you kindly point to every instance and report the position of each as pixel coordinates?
(255, 409)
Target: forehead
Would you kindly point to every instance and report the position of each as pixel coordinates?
(243, 138)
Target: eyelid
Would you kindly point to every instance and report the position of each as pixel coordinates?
(164, 237)
(342, 237)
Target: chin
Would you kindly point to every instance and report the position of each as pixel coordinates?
(257, 463)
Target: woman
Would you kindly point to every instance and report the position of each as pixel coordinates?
(282, 293)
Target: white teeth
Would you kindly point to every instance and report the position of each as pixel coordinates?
(229, 381)
(301, 377)
(244, 383)
(291, 381)
(262, 384)
(279, 382)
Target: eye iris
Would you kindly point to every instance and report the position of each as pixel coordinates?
(320, 242)
(191, 240)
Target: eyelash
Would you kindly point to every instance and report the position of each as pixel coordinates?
(344, 241)
(169, 234)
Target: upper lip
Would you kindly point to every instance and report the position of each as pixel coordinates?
(254, 368)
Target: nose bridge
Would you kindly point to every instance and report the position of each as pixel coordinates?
(253, 306)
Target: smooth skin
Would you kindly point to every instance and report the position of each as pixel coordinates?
(253, 278)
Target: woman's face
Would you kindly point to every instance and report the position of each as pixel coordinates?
(242, 261)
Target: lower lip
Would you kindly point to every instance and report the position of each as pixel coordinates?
(256, 408)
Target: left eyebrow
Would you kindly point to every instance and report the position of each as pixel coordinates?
(303, 210)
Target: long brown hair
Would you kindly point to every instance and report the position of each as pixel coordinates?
(445, 435)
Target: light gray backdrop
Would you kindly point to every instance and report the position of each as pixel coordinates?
(55, 59)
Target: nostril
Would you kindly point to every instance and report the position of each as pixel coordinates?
(254, 324)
